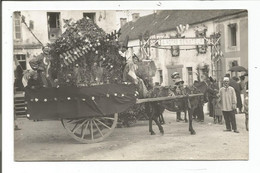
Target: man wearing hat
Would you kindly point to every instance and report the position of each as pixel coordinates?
(178, 82)
(174, 76)
(228, 102)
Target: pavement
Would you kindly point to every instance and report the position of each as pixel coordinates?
(49, 141)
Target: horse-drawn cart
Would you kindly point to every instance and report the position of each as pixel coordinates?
(89, 114)
(82, 58)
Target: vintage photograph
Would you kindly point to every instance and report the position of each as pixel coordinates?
(97, 85)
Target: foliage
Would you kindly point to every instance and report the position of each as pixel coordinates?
(85, 55)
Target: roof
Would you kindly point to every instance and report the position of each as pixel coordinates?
(167, 20)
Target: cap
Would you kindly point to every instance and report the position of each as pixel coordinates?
(175, 75)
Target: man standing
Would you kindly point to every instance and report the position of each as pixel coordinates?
(228, 105)
(178, 82)
(242, 85)
(212, 93)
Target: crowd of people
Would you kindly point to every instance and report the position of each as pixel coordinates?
(230, 99)
(224, 102)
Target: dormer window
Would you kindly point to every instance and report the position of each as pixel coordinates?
(91, 16)
(54, 29)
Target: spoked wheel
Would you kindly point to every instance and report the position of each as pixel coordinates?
(90, 129)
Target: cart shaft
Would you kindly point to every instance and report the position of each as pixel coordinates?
(138, 101)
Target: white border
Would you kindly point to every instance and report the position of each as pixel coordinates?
(174, 166)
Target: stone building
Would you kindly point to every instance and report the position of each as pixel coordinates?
(220, 54)
(47, 26)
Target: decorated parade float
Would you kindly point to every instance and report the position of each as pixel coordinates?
(78, 79)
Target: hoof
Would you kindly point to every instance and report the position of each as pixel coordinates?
(193, 132)
(152, 133)
(162, 132)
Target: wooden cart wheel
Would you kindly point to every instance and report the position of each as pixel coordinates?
(90, 129)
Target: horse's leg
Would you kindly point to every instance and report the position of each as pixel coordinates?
(190, 113)
(155, 118)
(151, 125)
(185, 116)
(160, 112)
(150, 112)
(162, 119)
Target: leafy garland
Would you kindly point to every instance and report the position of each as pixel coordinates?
(85, 55)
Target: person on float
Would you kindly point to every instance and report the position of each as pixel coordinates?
(41, 64)
(129, 75)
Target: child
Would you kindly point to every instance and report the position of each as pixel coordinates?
(246, 109)
(218, 111)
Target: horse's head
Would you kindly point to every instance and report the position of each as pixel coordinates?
(164, 91)
(159, 91)
(191, 90)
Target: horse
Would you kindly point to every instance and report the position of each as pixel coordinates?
(155, 109)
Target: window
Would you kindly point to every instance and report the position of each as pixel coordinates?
(22, 60)
(232, 34)
(92, 16)
(190, 75)
(17, 25)
(54, 20)
(122, 21)
(54, 29)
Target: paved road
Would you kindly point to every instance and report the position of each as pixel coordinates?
(48, 140)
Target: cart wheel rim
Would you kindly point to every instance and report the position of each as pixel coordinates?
(90, 129)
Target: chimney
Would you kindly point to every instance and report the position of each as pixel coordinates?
(135, 16)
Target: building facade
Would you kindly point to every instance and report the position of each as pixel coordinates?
(34, 29)
(232, 47)
(234, 44)
(47, 26)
